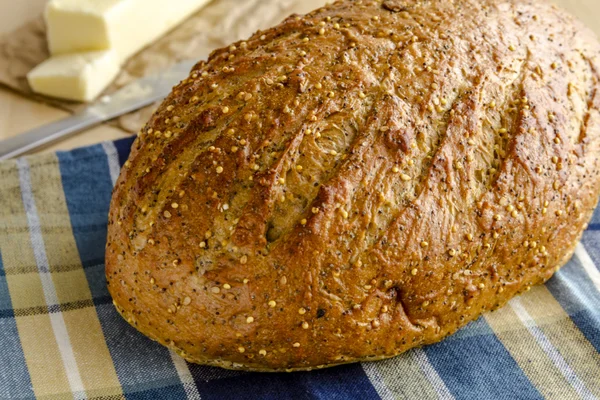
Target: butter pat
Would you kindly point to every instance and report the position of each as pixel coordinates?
(124, 26)
(90, 39)
(78, 76)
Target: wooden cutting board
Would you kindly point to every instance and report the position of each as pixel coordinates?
(18, 114)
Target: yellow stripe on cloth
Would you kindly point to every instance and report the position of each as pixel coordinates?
(35, 332)
(94, 361)
(564, 335)
(528, 354)
(87, 339)
(40, 349)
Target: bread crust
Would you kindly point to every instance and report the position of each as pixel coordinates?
(358, 181)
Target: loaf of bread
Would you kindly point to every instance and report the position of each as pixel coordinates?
(358, 181)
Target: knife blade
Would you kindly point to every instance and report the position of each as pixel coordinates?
(130, 97)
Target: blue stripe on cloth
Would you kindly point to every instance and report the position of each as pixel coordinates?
(15, 381)
(141, 364)
(202, 373)
(591, 241)
(577, 295)
(596, 217)
(100, 301)
(474, 364)
(123, 148)
(86, 171)
(6, 309)
(339, 383)
(594, 224)
(166, 393)
(97, 281)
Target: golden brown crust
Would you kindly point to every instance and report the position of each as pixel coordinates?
(358, 181)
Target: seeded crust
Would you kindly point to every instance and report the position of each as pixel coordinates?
(358, 181)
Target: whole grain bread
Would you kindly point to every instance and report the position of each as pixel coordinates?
(358, 181)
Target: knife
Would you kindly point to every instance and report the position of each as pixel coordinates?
(131, 97)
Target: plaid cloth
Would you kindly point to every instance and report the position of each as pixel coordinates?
(60, 336)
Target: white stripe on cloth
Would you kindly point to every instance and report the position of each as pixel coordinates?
(185, 376)
(588, 264)
(431, 374)
(112, 155)
(377, 381)
(551, 351)
(39, 250)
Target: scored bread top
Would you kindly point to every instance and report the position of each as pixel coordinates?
(358, 181)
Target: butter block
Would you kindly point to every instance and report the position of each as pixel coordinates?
(124, 26)
(77, 76)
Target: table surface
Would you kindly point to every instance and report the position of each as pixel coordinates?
(18, 114)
